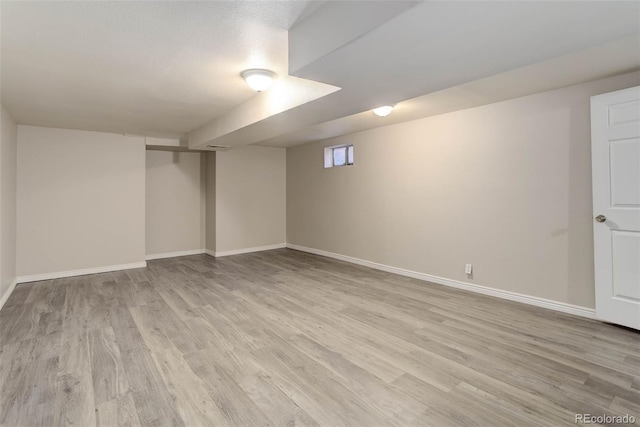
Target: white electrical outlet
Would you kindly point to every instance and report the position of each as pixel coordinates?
(468, 269)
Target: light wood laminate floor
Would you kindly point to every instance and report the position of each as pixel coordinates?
(286, 338)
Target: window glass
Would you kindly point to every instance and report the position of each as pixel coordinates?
(340, 156)
(337, 155)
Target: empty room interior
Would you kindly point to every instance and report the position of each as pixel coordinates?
(320, 213)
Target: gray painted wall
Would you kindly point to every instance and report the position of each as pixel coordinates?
(81, 200)
(8, 190)
(506, 187)
(250, 198)
(175, 197)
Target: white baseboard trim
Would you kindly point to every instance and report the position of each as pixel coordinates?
(219, 254)
(82, 272)
(174, 254)
(210, 252)
(512, 296)
(7, 294)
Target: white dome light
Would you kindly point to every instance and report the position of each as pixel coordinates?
(258, 79)
(383, 111)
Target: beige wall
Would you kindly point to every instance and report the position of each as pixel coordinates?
(250, 198)
(8, 162)
(81, 200)
(174, 202)
(210, 223)
(506, 187)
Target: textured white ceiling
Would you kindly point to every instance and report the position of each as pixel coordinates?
(153, 68)
(170, 68)
(621, 57)
(423, 48)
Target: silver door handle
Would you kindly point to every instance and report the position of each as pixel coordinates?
(601, 218)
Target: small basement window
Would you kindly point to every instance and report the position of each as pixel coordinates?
(338, 155)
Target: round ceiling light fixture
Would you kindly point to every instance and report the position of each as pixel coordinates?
(383, 111)
(258, 79)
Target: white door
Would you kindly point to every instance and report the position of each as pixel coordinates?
(615, 150)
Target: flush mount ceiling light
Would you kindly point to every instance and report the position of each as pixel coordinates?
(383, 111)
(258, 79)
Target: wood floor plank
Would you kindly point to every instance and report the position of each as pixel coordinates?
(20, 323)
(286, 338)
(233, 402)
(15, 388)
(120, 411)
(19, 295)
(314, 390)
(401, 408)
(449, 409)
(108, 376)
(153, 402)
(195, 406)
(74, 404)
(273, 402)
(536, 350)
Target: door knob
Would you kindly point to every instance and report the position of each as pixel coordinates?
(601, 218)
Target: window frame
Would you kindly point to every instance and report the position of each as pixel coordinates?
(329, 156)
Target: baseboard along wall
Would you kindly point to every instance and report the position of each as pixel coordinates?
(7, 294)
(175, 254)
(219, 254)
(472, 287)
(81, 272)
